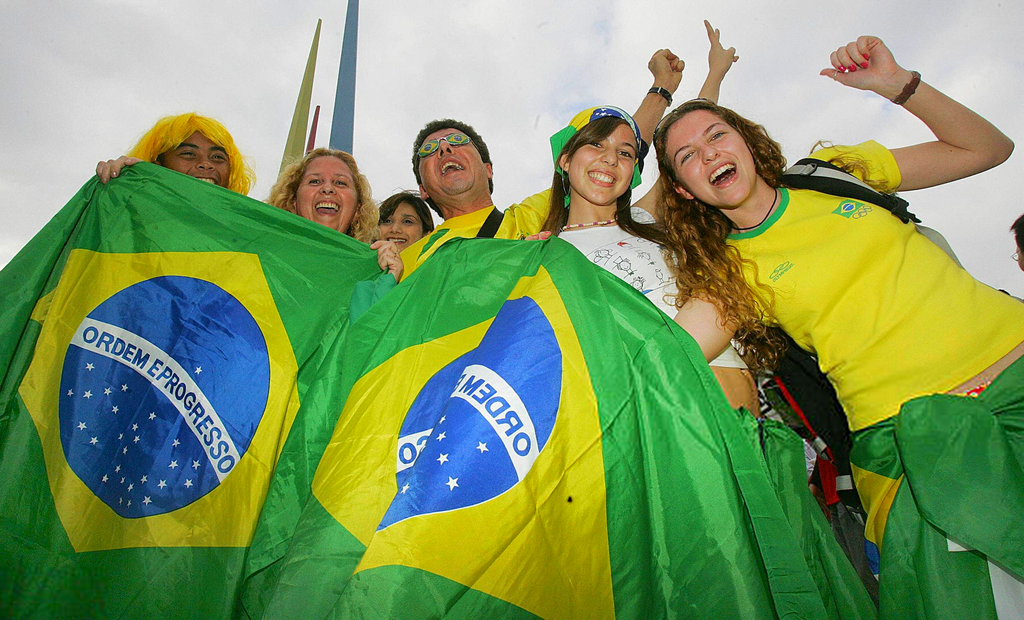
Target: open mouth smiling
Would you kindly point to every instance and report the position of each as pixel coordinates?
(448, 166)
(326, 208)
(722, 174)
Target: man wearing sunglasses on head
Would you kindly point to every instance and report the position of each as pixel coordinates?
(453, 169)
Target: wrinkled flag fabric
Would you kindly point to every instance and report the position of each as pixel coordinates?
(157, 339)
(524, 435)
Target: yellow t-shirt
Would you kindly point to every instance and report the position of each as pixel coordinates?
(518, 222)
(889, 315)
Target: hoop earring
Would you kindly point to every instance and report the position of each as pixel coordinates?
(565, 188)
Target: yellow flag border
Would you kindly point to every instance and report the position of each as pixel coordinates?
(227, 515)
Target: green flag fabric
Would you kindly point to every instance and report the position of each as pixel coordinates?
(524, 435)
(954, 531)
(784, 461)
(158, 342)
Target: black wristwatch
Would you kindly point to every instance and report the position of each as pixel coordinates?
(657, 90)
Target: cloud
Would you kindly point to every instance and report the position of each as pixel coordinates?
(82, 80)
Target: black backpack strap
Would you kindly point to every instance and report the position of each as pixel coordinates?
(491, 224)
(821, 176)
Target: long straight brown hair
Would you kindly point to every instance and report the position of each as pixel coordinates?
(558, 215)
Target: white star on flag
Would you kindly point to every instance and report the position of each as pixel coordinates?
(89, 367)
(104, 478)
(195, 464)
(71, 392)
(136, 440)
(124, 387)
(481, 446)
(441, 421)
(452, 483)
(114, 408)
(122, 479)
(152, 416)
(405, 488)
(81, 426)
(130, 486)
(117, 469)
(144, 479)
(199, 369)
(442, 459)
(146, 500)
(87, 394)
(120, 436)
(173, 464)
(162, 484)
(94, 441)
(135, 427)
(106, 391)
(175, 444)
(129, 503)
(441, 436)
(124, 450)
(188, 484)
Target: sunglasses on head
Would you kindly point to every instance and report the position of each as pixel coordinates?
(657, 128)
(453, 139)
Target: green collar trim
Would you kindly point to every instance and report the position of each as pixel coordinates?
(783, 203)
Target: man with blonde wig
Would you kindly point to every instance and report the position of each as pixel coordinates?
(190, 144)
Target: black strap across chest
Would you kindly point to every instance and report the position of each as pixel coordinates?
(491, 224)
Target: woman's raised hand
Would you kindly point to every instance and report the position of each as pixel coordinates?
(966, 143)
(667, 69)
(720, 60)
(867, 64)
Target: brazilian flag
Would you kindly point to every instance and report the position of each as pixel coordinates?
(158, 342)
(524, 435)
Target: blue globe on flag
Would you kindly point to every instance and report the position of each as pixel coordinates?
(162, 389)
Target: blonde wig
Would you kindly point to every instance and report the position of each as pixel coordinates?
(170, 131)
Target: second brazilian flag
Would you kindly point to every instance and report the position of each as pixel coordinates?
(525, 435)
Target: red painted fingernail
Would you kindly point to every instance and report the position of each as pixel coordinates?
(863, 65)
(866, 57)
(841, 69)
(853, 67)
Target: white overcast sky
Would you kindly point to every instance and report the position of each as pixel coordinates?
(81, 81)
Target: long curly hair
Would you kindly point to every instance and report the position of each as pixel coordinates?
(558, 214)
(705, 266)
(282, 195)
(169, 132)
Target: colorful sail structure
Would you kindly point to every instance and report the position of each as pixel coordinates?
(312, 130)
(345, 98)
(293, 149)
